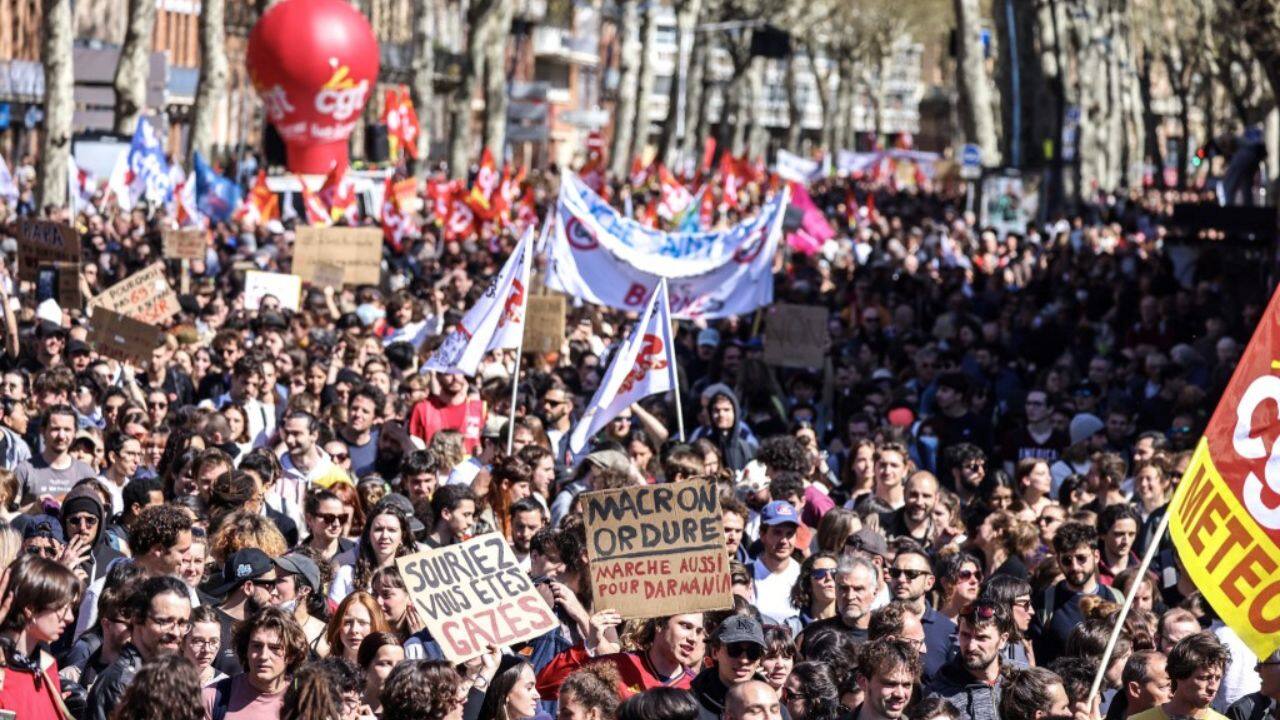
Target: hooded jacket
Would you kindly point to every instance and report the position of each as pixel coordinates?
(737, 445)
(86, 499)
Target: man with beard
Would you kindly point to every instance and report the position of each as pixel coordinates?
(51, 473)
(915, 518)
(968, 467)
(269, 644)
(159, 614)
(855, 592)
(886, 675)
(971, 680)
(1033, 694)
(910, 580)
(736, 649)
(1195, 668)
(248, 576)
(1076, 547)
(527, 518)
(452, 409)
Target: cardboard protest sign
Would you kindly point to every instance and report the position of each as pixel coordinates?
(69, 295)
(474, 594)
(1225, 516)
(285, 288)
(357, 250)
(188, 244)
(122, 337)
(43, 242)
(657, 549)
(796, 336)
(328, 275)
(544, 324)
(144, 295)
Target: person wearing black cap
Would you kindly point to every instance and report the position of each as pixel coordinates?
(41, 535)
(78, 355)
(737, 647)
(297, 591)
(84, 517)
(250, 579)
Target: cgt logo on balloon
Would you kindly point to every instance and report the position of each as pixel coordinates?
(473, 595)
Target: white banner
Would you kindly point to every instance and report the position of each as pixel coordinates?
(580, 266)
(285, 288)
(643, 366)
(495, 322)
(795, 168)
(671, 255)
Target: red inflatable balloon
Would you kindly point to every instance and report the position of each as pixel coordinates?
(314, 63)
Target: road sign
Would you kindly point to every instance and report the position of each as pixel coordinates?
(971, 162)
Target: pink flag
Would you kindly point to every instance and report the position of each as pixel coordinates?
(814, 229)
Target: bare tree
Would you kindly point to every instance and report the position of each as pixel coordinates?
(495, 77)
(59, 84)
(479, 22)
(422, 87)
(628, 88)
(684, 85)
(212, 87)
(977, 118)
(133, 67)
(644, 86)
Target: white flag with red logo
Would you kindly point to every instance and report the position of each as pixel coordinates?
(338, 194)
(645, 365)
(495, 322)
(676, 198)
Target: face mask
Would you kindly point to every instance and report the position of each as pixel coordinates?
(288, 605)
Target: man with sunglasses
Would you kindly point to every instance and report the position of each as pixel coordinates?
(736, 647)
(1264, 704)
(249, 577)
(971, 680)
(910, 580)
(1075, 546)
(83, 517)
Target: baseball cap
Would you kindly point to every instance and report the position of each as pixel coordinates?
(43, 526)
(868, 540)
(779, 512)
(243, 565)
(740, 629)
(709, 336)
(1085, 426)
(302, 566)
(77, 347)
(404, 505)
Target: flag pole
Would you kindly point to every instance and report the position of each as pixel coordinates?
(675, 372)
(1152, 548)
(525, 262)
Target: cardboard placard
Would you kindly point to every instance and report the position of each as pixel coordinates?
(796, 336)
(42, 242)
(328, 275)
(474, 594)
(122, 337)
(544, 324)
(144, 295)
(188, 244)
(657, 549)
(69, 296)
(358, 251)
(285, 288)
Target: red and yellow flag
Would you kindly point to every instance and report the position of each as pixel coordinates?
(1225, 515)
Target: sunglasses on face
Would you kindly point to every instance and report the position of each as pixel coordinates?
(910, 575)
(751, 650)
(331, 519)
(966, 575)
(822, 573)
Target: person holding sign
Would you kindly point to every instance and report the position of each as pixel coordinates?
(669, 648)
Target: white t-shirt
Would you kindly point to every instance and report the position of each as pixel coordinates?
(773, 590)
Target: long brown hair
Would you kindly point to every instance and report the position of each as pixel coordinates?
(38, 584)
(377, 621)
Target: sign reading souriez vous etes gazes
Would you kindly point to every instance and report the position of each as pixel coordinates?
(1225, 516)
(657, 549)
(473, 595)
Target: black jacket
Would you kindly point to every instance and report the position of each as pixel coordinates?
(710, 692)
(974, 699)
(112, 683)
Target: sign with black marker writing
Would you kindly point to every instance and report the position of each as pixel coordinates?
(657, 549)
(473, 595)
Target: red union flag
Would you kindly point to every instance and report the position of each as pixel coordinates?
(1225, 515)
(643, 366)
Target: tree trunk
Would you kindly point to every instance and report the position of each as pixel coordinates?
(795, 115)
(644, 88)
(683, 86)
(132, 69)
(1257, 20)
(422, 86)
(628, 85)
(977, 118)
(212, 88)
(495, 83)
(845, 134)
(822, 83)
(1150, 122)
(696, 94)
(460, 150)
(59, 85)
(757, 135)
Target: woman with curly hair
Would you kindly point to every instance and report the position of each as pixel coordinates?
(313, 695)
(811, 692)
(427, 690)
(814, 592)
(356, 617)
(246, 529)
(591, 693)
(387, 536)
(167, 688)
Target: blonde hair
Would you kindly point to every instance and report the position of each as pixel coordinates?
(10, 545)
(244, 529)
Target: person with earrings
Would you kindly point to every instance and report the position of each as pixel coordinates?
(736, 648)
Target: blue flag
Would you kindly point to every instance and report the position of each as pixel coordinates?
(148, 166)
(691, 220)
(216, 197)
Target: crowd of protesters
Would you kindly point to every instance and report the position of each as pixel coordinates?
(938, 523)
